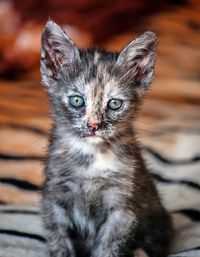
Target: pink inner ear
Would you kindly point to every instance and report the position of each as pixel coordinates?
(143, 67)
(144, 61)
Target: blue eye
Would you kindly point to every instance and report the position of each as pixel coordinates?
(76, 101)
(115, 104)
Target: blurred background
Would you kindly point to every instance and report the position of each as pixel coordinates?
(169, 122)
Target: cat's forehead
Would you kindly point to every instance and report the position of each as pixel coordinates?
(98, 76)
(101, 85)
(98, 64)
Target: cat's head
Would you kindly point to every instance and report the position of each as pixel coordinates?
(95, 94)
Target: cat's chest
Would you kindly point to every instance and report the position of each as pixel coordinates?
(102, 165)
(93, 189)
(89, 182)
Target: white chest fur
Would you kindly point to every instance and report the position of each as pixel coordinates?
(102, 165)
(103, 162)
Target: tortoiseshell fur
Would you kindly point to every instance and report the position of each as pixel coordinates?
(99, 199)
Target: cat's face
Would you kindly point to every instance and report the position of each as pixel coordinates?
(95, 94)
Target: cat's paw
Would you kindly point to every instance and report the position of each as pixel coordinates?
(140, 253)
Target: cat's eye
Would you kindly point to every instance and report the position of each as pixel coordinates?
(115, 104)
(76, 101)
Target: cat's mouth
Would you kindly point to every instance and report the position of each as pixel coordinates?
(94, 134)
(94, 137)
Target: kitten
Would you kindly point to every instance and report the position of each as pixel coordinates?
(98, 198)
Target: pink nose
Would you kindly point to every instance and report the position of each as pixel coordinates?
(94, 125)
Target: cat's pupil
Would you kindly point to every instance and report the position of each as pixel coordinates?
(115, 104)
(76, 101)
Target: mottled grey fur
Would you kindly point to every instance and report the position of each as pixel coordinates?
(98, 198)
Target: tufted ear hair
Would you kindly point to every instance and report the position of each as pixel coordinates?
(137, 59)
(58, 52)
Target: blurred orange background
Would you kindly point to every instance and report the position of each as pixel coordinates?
(102, 23)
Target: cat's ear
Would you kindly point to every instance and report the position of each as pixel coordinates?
(137, 59)
(58, 52)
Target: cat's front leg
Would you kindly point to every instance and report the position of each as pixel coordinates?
(113, 235)
(57, 224)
